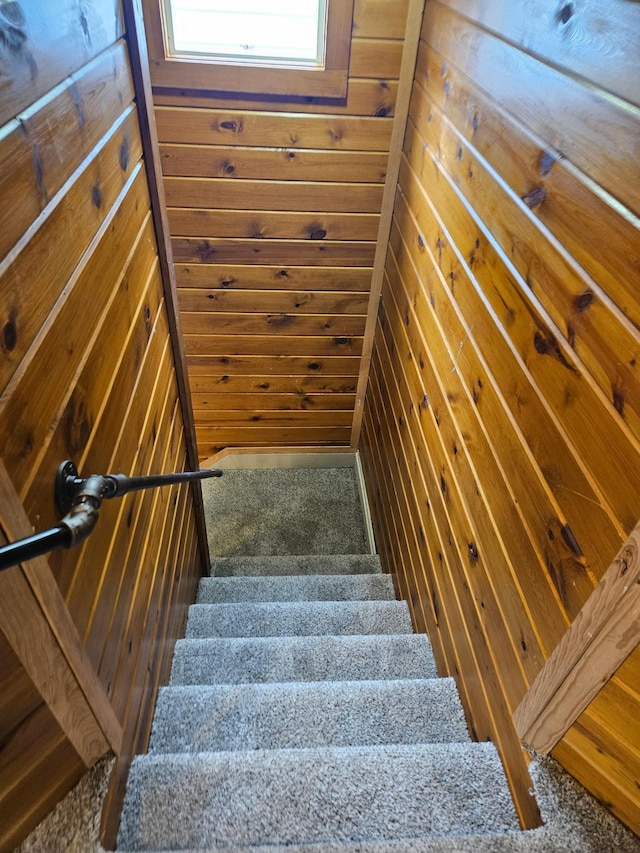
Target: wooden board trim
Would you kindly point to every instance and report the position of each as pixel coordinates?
(46, 592)
(599, 640)
(405, 87)
(134, 23)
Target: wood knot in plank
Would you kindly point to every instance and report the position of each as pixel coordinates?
(231, 125)
(548, 345)
(583, 301)
(534, 197)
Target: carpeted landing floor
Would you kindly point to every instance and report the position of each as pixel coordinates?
(295, 511)
(302, 714)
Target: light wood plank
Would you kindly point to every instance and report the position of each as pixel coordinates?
(277, 325)
(267, 277)
(275, 365)
(218, 404)
(274, 130)
(222, 384)
(375, 57)
(271, 301)
(288, 164)
(573, 206)
(223, 193)
(333, 253)
(269, 224)
(266, 345)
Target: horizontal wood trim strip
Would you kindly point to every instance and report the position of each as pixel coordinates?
(603, 634)
(272, 301)
(263, 251)
(277, 325)
(253, 277)
(288, 164)
(265, 345)
(274, 130)
(219, 404)
(365, 97)
(223, 193)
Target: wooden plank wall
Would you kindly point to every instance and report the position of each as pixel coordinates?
(501, 430)
(86, 373)
(274, 210)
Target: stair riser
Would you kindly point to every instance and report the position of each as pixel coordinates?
(349, 564)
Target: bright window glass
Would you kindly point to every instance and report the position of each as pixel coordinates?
(268, 32)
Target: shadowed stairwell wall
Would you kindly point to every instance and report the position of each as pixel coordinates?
(502, 420)
(274, 209)
(87, 373)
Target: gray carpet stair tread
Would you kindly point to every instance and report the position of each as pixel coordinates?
(308, 714)
(541, 840)
(299, 618)
(296, 588)
(328, 658)
(336, 564)
(316, 795)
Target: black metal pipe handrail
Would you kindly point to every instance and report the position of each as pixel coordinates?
(80, 499)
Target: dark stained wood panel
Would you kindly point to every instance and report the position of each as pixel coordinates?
(500, 437)
(274, 205)
(87, 373)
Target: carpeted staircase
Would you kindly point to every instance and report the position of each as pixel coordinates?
(303, 714)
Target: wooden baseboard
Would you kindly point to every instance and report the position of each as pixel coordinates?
(245, 458)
